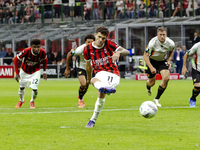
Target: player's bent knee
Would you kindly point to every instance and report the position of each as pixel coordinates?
(151, 82)
(166, 79)
(83, 85)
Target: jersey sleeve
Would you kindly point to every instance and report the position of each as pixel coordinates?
(44, 54)
(45, 61)
(78, 50)
(16, 65)
(21, 55)
(193, 49)
(172, 47)
(44, 58)
(149, 47)
(113, 46)
(86, 53)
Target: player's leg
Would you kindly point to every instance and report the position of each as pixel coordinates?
(21, 97)
(101, 86)
(21, 93)
(163, 85)
(195, 93)
(98, 107)
(165, 78)
(83, 86)
(82, 90)
(102, 81)
(196, 89)
(151, 81)
(33, 97)
(35, 80)
(23, 82)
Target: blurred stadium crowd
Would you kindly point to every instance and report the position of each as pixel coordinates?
(29, 11)
(22, 11)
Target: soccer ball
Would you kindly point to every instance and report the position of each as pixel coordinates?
(148, 109)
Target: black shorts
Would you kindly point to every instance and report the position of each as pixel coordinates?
(81, 72)
(195, 76)
(158, 65)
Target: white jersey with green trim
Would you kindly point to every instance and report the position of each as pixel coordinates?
(79, 51)
(157, 50)
(195, 50)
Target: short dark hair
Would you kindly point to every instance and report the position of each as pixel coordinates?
(103, 30)
(89, 36)
(35, 42)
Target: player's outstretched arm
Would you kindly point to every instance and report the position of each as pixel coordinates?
(44, 68)
(120, 52)
(184, 69)
(67, 70)
(45, 75)
(16, 69)
(17, 77)
(170, 58)
(148, 63)
(88, 68)
(123, 51)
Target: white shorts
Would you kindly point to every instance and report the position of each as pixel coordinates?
(109, 79)
(29, 80)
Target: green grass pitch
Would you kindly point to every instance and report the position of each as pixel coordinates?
(57, 123)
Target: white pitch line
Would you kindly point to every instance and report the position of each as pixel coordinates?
(176, 107)
(69, 111)
(41, 108)
(65, 111)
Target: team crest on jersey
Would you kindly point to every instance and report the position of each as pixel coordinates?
(195, 80)
(105, 50)
(79, 72)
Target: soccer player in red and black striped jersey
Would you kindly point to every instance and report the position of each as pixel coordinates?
(29, 75)
(103, 55)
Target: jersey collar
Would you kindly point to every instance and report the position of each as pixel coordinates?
(33, 53)
(97, 46)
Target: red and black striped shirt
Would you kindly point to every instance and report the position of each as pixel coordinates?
(31, 62)
(102, 58)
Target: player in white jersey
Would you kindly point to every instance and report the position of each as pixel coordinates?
(80, 68)
(155, 57)
(195, 52)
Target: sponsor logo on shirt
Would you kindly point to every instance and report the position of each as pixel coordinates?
(30, 63)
